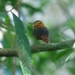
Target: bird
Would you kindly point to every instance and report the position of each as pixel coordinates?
(40, 31)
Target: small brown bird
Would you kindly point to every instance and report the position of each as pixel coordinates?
(40, 31)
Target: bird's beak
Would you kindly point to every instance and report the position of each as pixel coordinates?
(32, 24)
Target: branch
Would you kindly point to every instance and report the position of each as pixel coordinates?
(39, 48)
(53, 46)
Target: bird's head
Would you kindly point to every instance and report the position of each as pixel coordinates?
(38, 23)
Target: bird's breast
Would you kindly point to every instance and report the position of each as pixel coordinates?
(40, 31)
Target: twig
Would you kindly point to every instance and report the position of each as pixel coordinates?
(13, 7)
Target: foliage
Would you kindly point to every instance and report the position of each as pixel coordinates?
(46, 62)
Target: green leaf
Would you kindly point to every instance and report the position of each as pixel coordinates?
(9, 62)
(3, 14)
(20, 31)
(8, 40)
(8, 24)
(24, 47)
(62, 57)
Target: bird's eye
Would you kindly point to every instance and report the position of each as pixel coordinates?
(38, 22)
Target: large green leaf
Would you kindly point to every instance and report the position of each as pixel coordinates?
(21, 32)
(23, 44)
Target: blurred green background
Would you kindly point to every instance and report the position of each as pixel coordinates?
(58, 16)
